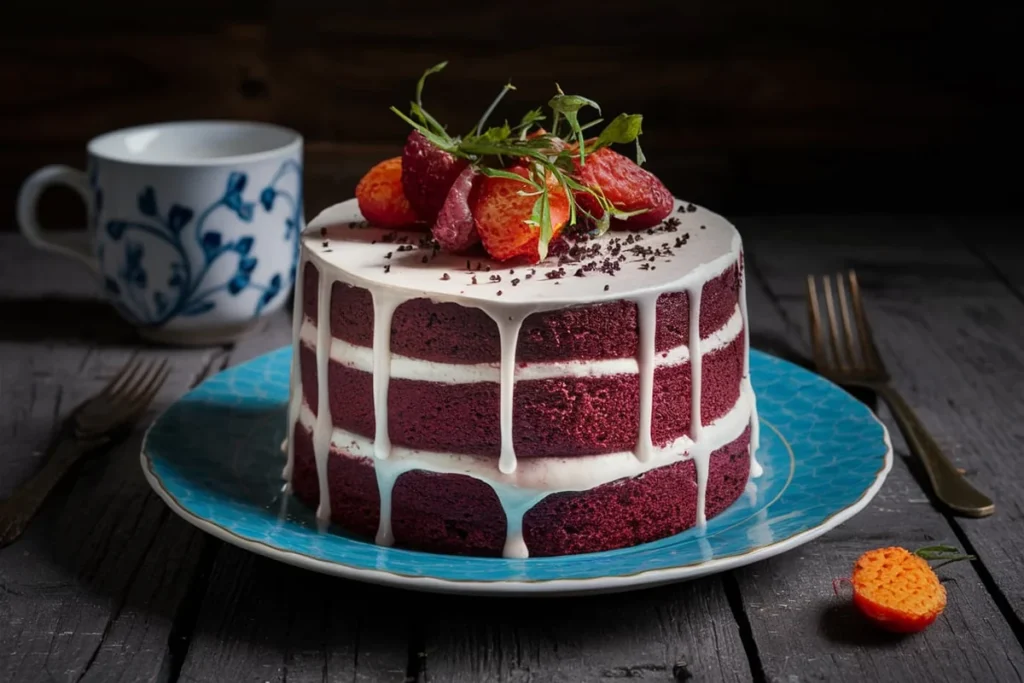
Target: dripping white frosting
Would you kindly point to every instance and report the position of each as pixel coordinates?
(324, 422)
(700, 453)
(755, 425)
(708, 245)
(384, 306)
(509, 332)
(647, 321)
(295, 379)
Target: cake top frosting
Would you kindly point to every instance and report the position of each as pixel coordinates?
(691, 245)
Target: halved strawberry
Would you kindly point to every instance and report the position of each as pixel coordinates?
(627, 186)
(381, 198)
(501, 215)
(428, 172)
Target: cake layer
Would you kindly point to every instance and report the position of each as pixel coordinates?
(461, 514)
(451, 333)
(562, 416)
(542, 475)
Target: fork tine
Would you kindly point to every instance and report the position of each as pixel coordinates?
(833, 324)
(844, 311)
(129, 399)
(145, 397)
(124, 377)
(814, 311)
(867, 342)
(147, 392)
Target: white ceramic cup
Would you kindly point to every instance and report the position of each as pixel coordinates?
(193, 226)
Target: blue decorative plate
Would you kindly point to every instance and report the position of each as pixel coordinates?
(215, 458)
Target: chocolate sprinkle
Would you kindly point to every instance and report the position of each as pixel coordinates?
(499, 292)
(606, 287)
(387, 268)
(515, 281)
(446, 276)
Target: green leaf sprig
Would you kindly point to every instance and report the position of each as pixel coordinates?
(547, 155)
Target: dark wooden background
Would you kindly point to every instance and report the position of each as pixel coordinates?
(750, 106)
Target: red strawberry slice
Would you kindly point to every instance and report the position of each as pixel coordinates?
(627, 186)
(501, 215)
(455, 229)
(427, 174)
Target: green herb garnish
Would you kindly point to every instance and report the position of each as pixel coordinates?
(548, 155)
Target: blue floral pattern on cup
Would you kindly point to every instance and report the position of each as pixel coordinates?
(197, 275)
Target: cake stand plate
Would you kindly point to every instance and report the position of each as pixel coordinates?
(215, 458)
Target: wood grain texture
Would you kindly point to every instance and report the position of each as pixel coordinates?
(262, 620)
(90, 592)
(675, 633)
(799, 107)
(92, 587)
(941, 323)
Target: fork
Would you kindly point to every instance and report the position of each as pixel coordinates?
(841, 362)
(93, 424)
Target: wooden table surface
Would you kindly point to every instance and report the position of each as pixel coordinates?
(109, 585)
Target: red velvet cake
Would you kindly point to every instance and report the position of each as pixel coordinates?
(508, 401)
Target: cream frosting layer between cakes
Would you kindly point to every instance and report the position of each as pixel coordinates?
(403, 367)
(342, 250)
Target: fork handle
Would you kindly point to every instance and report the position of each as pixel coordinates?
(18, 511)
(949, 484)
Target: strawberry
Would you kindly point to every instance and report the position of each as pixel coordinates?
(627, 186)
(381, 198)
(428, 172)
(896, 588)
(455, 228)
(501, 213)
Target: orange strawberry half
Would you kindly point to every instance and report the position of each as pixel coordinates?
(897, 589)
(381, 198)
(502, 214)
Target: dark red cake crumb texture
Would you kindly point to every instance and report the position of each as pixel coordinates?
(457, 514)
(560, 417)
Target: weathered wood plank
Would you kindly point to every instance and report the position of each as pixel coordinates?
(999, 245)
(263, 620)
(69, 580)
(87, 593)
(673, 633)
(925, 293)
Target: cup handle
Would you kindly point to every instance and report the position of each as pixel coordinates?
(77, 245)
